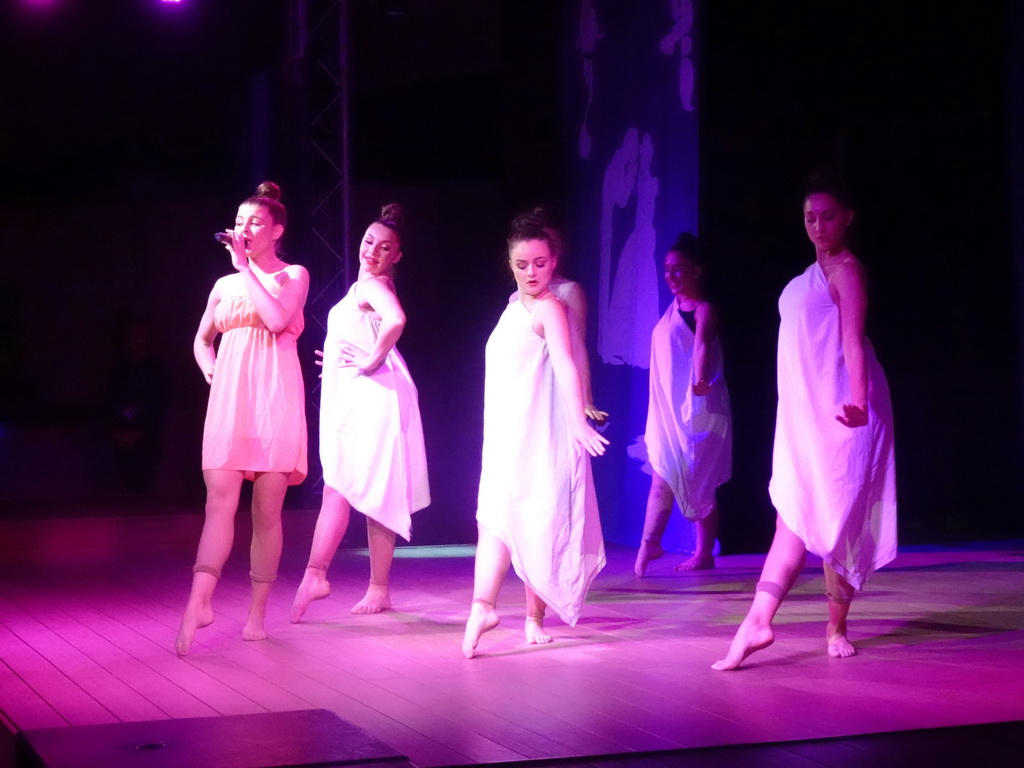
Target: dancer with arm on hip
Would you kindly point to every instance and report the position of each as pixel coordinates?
(371, 435)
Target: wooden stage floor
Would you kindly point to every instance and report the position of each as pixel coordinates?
(89, 609)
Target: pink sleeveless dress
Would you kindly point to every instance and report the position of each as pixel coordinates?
(256, 416)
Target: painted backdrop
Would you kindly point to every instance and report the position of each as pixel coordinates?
(630, 78)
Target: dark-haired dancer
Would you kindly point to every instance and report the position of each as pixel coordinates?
(573, 298)
(833, 471)
(536, 509)
(255, 421)
(689, 423)
(371, 436)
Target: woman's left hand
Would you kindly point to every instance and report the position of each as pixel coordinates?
(352, 356)
(592, 441)
(702, 388)
(853, 416)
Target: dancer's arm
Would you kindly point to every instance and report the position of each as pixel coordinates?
(849, 288)
(550, 321)
(276, 312)
(202, 346)
(706, 320)
(576, 311)
(379, 293)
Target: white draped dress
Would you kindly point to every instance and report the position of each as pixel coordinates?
(835, 487)
(688, 436)
(371, 435)
(536, 487)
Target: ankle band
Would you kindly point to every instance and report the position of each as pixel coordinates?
(771, 588)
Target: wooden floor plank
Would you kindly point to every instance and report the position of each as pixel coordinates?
(21, 703)
(38, 672)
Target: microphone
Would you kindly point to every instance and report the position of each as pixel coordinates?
(222, 237)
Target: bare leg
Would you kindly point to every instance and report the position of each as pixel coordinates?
(659, 507)
(782, 565)
(703, 558)
(492, 562)
(535, 608)
(331, 524)
(382, 553)
(840, 594)
(265, 550)
(222, 490)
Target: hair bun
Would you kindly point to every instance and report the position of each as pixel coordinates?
(528, 225)
(269, 189)
(393, 212)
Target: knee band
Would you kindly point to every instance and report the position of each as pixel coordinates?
(198, 568)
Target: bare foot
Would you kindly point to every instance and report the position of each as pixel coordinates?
(376, 600)
(482, 618)
(750, 637)
(696, 563)
(314, 586)
(253, 629)
(195, 618)
(649, 550)
(535, 634)
(839, 646)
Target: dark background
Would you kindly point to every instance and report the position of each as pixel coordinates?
(129, 132)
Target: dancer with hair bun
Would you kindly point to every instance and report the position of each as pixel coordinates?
(371, 435)
(255, 420)
(536, 509)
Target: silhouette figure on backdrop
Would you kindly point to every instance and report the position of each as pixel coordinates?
(628, 305)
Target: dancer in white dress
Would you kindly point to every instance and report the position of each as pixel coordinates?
(688, 438)
(833, 472)
(371, 436)
(537, 509)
